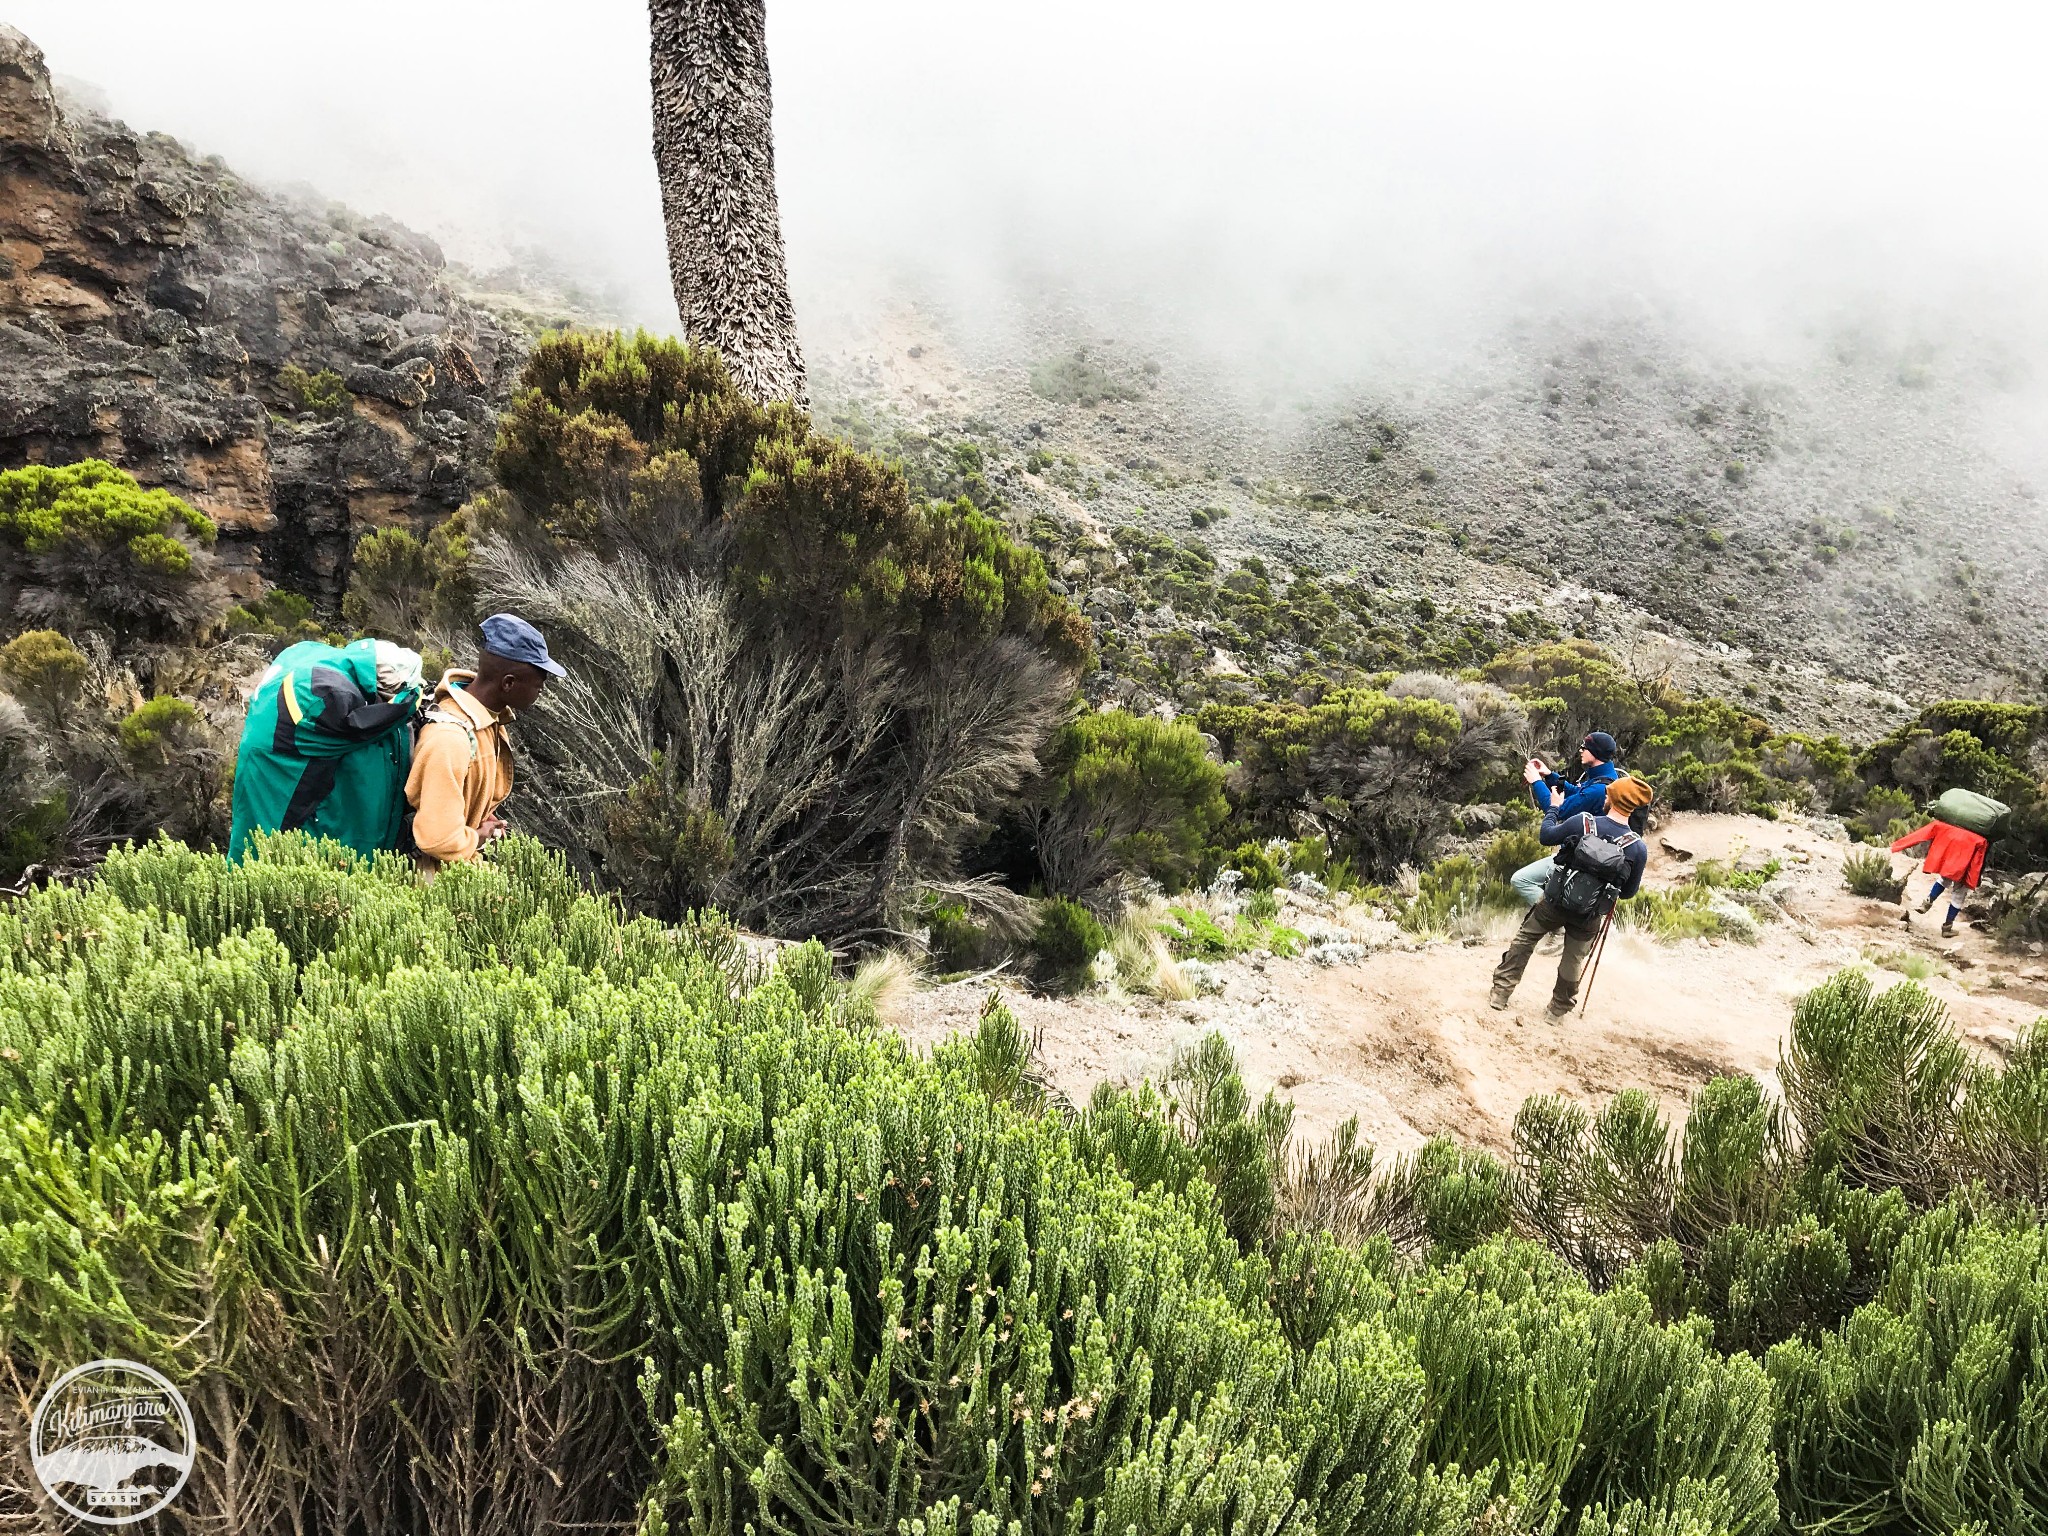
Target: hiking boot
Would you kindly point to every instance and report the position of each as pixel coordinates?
(1948, 930)
(1498, 1000)
(1925, 907)
(1556, 1015)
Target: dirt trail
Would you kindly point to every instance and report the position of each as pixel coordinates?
(1404, 1038)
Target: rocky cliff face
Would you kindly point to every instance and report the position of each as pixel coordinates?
(152, 303)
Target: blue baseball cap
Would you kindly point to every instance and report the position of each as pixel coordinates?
(509, 636)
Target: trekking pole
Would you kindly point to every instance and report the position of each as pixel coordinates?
(1598, 950)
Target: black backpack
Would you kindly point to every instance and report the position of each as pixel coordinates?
(1586, 875)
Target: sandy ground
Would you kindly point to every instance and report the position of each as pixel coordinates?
(1404, 1038)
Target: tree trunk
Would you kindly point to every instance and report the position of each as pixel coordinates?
(714, 147)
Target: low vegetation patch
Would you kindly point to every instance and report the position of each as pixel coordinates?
(454, 1160)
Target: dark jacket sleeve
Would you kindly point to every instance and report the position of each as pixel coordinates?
(345, 713)
(1559, 829)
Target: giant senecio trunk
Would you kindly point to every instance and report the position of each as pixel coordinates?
(714, 147)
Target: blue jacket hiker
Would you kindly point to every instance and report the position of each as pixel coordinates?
(1552, 792)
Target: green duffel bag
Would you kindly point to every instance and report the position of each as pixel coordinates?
(1972, 812)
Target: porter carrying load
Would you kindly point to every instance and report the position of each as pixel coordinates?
(327, 744)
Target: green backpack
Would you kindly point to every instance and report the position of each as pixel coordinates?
(322, 752)
(1964, 808)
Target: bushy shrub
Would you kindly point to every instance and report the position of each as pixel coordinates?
(1924, 1412)
(37, 806)
(1875, 1083)
(1455, 889)
(390, 586)
(1373, 770)
(1261, 871)
(1077, 379)
(377, 1218)
(667, 848)
(957, 942)
(1943, 749)
(1867, 872)
(83, 546)
(322, 393)
(1125, 795)
(276, 615)
(850, 681)
(451, 1154)
(174, 762)
(1067, 940)
(45, 670)
(1886, 813)
(1572, 687)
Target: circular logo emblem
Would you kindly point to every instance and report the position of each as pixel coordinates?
(112, 1442)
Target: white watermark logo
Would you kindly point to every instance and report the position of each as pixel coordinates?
(112, 1442)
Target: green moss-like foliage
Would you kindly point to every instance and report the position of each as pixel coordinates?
(87, 547)
(1066, 940)
(322, 393)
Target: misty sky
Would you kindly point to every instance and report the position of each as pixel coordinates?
(1309, 169)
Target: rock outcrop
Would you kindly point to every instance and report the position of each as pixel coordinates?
(153, 306)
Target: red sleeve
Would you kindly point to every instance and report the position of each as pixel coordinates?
(1911, 839)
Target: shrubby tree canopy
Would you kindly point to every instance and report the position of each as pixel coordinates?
(793, 690)
(85, 546)
(1125, 794)
(1373, 769)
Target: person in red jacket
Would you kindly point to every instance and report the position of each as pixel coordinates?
(1955, 858)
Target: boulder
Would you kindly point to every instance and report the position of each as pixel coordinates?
(405, 386)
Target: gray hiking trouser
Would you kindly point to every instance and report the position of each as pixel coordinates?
(1529, 879)
(1543, 920)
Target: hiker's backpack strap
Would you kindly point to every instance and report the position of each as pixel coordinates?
(455, 718)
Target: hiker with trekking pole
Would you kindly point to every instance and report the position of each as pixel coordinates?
(1599, 862)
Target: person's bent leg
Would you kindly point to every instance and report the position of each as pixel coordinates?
(1957, 896)
(1571, 965)
(1508, 973)
(1933, 894)
(1529, 880)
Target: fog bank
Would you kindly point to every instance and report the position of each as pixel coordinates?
(1328, 187)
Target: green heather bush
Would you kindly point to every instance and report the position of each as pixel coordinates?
(1868, 872)
(853, 681)
(277, 615)
(1964, 743)
(1124, 795)
(83, 546)
(1067, 940)
(1373, 769)
(322, 393)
